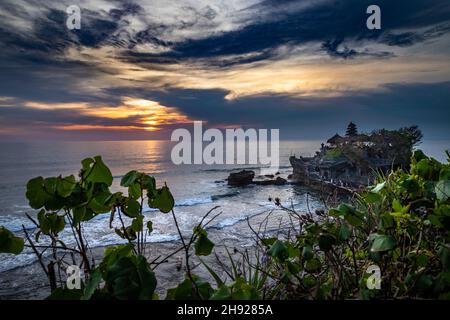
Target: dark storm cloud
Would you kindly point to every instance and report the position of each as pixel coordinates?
(37, 56)
(37, 77)
(34, 65)
(393, 106)
(332, 47)
(406, 39)
(297, 118)
(326, 22)
(330, 23)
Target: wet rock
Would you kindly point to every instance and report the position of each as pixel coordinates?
(278, 182)
(241, 178)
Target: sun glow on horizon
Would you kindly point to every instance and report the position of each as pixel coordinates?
(131, 114)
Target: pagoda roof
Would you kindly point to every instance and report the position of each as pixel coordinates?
(334, 139)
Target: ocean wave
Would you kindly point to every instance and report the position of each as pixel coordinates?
(240, 168)
(229, 222)
(225, 195)
(14, 223)
(192, 201)
(10, 262)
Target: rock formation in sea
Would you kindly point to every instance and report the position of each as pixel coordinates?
(353, 160)
(241, 178)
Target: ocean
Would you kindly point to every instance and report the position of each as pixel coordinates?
(196, 188)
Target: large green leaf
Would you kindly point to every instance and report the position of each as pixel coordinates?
(187, 291)
(203, 246)
(372, 197)
(78, 215)
(163, 200)
(410, 185)
(445, 173)
(113, 253)
(50, 222)
(137, 224)
(184, 291)
(50, 185)
(132, 208)
(313, 265)
(147, 279)
(443, 190)
(130, 178)
(50, 193)
(134, 190)
(149, 183)
(130, 277)
(9, 243)
(344, 232)
(279, 250)
(241, 290)
(65, 186)
(36, 194)
(99, 202)
(223, 293)
(93, 282)
(96, 171)
(351, 215)
(382, 243)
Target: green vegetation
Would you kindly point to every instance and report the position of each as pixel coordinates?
(400, 225)
(334, 153)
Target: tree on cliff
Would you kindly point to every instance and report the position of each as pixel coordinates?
(352, 130)
(413, 134)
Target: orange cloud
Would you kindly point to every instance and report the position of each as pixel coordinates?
(149, 115)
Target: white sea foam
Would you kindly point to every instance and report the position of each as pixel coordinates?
(193, 201)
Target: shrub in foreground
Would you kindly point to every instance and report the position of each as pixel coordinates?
(400, 226)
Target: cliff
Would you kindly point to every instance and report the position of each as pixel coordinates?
(354, 160)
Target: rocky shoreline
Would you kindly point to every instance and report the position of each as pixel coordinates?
(30, 283)
(246, 177)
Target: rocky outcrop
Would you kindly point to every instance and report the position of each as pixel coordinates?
(241, 178)
(245, 177)
(279, 181)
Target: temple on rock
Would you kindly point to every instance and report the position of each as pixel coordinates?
(353, 160)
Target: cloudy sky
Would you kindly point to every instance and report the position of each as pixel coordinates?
(139, 69)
